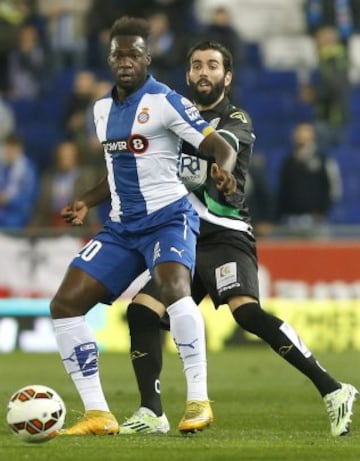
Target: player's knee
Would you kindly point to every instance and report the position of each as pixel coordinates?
(249, 316)
(172, 281)
(141, 319)
(174, 290)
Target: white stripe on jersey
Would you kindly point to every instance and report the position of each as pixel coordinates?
(115, 198)
(206, 215)
(101, 115)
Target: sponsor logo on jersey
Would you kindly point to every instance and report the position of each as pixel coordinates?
(193, 171)
(136, 143)
(239, 116)
(193, 113)
(186, 102)
(144, 115)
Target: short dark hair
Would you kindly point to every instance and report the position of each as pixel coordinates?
(210, 45)
(127, 25)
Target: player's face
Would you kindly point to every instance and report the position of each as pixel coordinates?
(129, 61)
(207, 78)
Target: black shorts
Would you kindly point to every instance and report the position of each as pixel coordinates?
(226, 266)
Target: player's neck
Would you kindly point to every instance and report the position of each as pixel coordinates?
(123, 93)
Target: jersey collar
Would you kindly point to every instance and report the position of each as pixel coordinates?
(137, 95)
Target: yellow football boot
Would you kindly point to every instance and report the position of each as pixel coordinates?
(198, 416)
(94, 422)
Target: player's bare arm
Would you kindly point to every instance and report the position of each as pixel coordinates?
(75, 212)
(225, 157)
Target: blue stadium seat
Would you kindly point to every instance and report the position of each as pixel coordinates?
(353, 132)
(264, 79)
(355, 102)
(270, 104)
(40, 139)
(274, 158)
(252, 55)
(25, 110)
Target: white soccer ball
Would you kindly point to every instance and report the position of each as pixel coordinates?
(35, 413)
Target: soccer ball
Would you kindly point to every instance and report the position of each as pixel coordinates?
(35, 413)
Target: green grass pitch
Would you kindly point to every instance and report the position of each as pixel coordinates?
(264, 410)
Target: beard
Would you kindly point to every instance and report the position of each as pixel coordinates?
(206, 99)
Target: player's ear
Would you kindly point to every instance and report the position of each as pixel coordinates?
(187, 78)
(228, 79)
(148, 59)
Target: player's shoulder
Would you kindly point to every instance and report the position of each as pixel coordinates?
(176, 98)
(106, 96)
(237, 114)
(156, 88)
(237, 121)
(103, 103)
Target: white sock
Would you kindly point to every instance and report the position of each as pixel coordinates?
(79, 353)
(188, 330)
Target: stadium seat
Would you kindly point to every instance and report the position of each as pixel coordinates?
(258, 19)
(252, 55)
(354, 58)
(289, 52)
(25, 110)
(355, 102)
(274, 158)
(40, 139)
(285, 80)
(353, 133)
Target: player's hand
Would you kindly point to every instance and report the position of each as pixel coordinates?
(75, 213)
(225, 181)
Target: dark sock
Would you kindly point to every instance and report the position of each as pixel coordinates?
(146, 354)
(286, 343)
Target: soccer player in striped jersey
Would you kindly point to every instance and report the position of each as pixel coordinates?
(226, 264)
(152, 225)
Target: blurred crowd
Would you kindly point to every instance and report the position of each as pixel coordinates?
(47, 44)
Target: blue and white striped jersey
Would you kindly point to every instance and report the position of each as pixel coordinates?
(142, 139)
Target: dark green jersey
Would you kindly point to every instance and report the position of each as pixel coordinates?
(214, 208)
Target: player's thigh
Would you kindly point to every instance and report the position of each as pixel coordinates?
(150, 290)
(77, 294)
(107, 259)
(174, 241)
(227, 272)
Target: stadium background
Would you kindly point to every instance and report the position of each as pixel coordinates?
(310, 278)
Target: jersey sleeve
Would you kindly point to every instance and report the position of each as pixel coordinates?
(183, 118)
